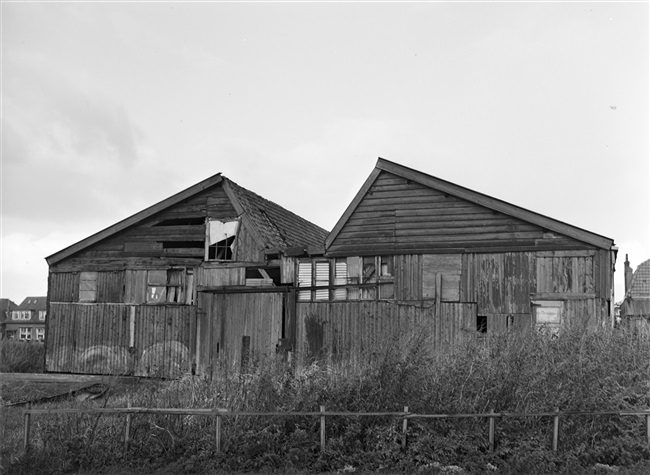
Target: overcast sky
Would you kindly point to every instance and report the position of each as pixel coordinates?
(108, 108)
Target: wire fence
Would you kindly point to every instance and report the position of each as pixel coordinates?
(218, 414)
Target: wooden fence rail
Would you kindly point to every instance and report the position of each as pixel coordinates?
(405, 415)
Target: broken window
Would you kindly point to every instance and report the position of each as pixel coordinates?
(368, 276)
(548, 314)
(165, 286)
(88, 287)
(222, 239)
(481, 323)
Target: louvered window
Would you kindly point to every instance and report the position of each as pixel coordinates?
(322, 278)
(340, 278)
(304, 280)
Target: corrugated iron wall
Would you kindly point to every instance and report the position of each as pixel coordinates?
(119, 339)
(353, 329)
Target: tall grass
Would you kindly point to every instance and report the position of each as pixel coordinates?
(579, 370)
(21, 356)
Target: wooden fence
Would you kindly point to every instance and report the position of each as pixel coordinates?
(405, 415)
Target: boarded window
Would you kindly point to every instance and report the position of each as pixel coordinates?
(222, 239)
(88, 287)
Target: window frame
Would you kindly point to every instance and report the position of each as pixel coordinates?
(209, 245)
(551, 326)
(27, 331)
(88, 286)
(159, 290)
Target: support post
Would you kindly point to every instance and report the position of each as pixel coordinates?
(127, 430)
(27, 421)
(647, 428)
(322, 429)
(217, 433)
(491, 431)
(556, 429)
(404, 428)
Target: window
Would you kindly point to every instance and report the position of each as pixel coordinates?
(25, 333)
(377, 270)
(40, 334)
(41, 315)
(321, 279)
(481, 323)
(10, 334)
(21, 315)
(88, 287)
(165, 286)
(221, 239)
(304, 280)
(548, 314)
(340, 278)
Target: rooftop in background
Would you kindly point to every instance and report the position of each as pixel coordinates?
(33, 303)
(640, 287)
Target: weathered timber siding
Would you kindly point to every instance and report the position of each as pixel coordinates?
(64, 287)
(236, 328)
(151, 243)
(354, 329)
(401, 216)
(119, 339)
(221, 276)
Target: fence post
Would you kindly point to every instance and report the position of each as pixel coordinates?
(27, 420)
(322, 429)
(127, 429)
(647, 427)
(556, 429)
(217, 433)
(404, 428)
(491, 431)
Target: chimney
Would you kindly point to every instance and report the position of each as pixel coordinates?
(628, 277)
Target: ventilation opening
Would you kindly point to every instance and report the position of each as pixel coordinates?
(183, 245)
(181, 222)
(481, 324)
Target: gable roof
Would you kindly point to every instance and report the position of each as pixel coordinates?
(271, 225)
(471, 196)
(277, 227)
(33, 303)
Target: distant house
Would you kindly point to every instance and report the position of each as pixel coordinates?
(6, 306)
(635, 309)
(27, 321)
(217, 276)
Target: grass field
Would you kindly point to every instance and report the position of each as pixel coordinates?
(580, 370)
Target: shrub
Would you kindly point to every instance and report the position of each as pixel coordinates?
(21, 356)
(577, 371)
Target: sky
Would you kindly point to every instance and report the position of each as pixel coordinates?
(108, 108)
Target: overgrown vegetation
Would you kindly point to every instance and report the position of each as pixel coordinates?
(578, 371)
(21, 356)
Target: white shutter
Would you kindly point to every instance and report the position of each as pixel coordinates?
(340, 278)
(322, 279)
(304, 279)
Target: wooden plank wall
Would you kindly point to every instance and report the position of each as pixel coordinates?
(119, 339)
(400, 216)
(225, 319)
(356, 329)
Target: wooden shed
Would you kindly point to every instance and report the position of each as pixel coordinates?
(414, 252)
(189, 284)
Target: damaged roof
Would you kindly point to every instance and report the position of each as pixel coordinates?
(278, 227)
(274, 226)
